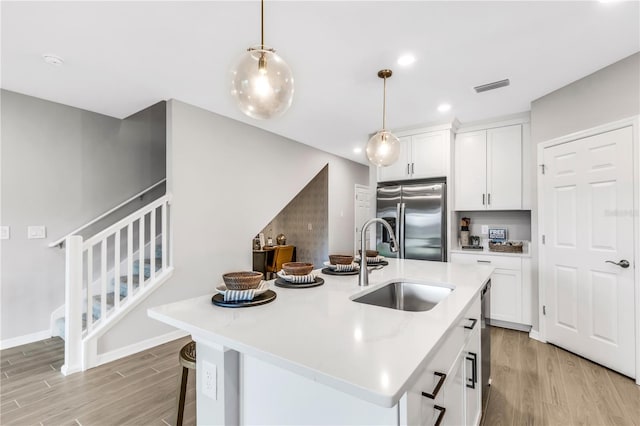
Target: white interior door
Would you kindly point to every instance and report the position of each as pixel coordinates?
(588, 221)
(362, 214)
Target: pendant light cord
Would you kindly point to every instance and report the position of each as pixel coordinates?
(384, 104)
(262, 23)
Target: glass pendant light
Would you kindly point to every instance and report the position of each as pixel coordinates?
(262, 83)
(383, 149)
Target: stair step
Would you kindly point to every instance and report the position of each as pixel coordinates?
(124, 287)
(147, 267)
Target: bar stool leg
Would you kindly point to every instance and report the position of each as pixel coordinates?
(182, 395)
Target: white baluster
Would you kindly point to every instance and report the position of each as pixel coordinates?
(116, 270)
(73, 306)
(152, 245)
(141, 253)
(103, 280)
(164, 236)
(129, 260)
(89, 282)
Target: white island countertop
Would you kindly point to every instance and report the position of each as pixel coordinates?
(370, 352)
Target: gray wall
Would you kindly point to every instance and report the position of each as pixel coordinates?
(227, 180)
(610, 94)
(61, 167)
(308, 207)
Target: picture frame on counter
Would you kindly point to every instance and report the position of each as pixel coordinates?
(498, 234)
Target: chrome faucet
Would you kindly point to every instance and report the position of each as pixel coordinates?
(363, 276)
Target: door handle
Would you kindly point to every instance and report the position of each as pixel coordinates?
(623, 263)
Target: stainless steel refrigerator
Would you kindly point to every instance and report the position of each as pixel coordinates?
(417, 212)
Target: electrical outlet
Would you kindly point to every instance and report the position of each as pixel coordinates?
(5, 233)
(209, 385)
(485, 229)
(309, 227)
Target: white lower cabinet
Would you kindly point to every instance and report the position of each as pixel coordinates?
(448, 391)
(510, 287)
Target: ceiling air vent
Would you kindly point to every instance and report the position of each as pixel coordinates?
(491, 86)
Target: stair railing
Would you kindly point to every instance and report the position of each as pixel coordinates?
(60, 241)
(97, 268)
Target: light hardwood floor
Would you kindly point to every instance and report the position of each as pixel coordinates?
(137, 390)
(533, 384)
(539, 384)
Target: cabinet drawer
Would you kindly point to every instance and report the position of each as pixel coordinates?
(502, 262)
(442, 362)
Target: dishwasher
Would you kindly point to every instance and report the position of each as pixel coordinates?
(485, 344)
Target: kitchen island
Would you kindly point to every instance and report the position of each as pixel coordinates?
(315, 356)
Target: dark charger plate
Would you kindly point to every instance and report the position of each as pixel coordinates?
(286, 284)
(333, 272)
(261, 299)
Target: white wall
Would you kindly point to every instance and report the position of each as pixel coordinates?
(61, 167)
(228, 181)
(610, 94)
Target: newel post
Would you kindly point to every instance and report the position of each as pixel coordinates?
(73, 306)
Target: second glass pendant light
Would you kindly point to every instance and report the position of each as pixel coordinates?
(383, 149)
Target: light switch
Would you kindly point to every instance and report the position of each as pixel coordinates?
(5, 233)
(36, 232)
(485, 229)
(309, 227)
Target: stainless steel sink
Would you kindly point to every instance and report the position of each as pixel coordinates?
(406, 296)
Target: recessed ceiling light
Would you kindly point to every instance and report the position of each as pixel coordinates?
(357, 150)
(444, 107)
(53, 60)
(406, 60)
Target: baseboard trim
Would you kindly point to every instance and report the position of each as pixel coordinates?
(24, 339)
(510, 325)
(535, 335)
(138, 347)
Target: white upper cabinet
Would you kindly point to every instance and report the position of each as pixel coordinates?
(488, 169)
(423, 155)
(470, 166)
(400, 169)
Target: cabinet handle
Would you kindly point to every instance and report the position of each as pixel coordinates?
(441, 415)
(474, 370)
(488, 199)
(483, 261)
(408, 169)
(483, 199)
(413, 168)
(438, 386)
(473, 323)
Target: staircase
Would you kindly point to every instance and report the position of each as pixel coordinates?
(109, 274)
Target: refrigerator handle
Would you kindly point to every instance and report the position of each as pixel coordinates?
(401, 219)
(397, 230)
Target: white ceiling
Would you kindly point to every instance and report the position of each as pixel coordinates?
(121, 57)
